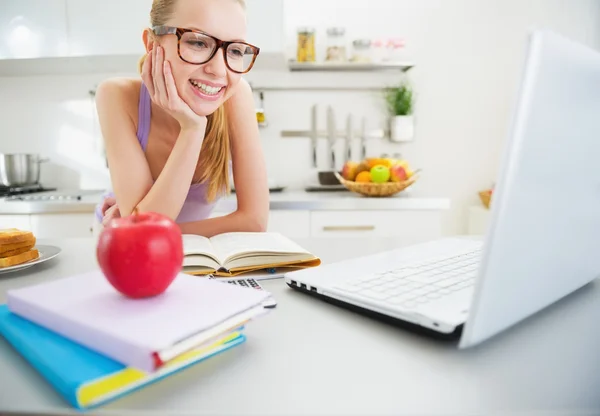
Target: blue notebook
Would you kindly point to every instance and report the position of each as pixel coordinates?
(83, 377)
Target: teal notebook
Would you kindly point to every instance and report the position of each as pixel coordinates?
(83, 377)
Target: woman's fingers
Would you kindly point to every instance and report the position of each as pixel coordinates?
(107, 217)
(154, 72)
(159, 78)
(172, 94)
(147, 73)
(107, 203)
(111, 213)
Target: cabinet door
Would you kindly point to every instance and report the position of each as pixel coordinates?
(478, 220)
(265, 25)
(291, 223)
(72, 225)
(408, 227)
(32, 28)
(21, 222)
(107, 27)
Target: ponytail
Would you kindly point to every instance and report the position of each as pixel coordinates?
(215, 154)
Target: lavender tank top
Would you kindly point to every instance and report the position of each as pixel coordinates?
(196, 207)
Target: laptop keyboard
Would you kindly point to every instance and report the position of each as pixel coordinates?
(417, 283)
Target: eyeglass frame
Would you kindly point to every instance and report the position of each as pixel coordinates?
(221, 44)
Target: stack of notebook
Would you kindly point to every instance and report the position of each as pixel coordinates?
(93, 345)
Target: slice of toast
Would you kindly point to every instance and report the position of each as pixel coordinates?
(7, 250)
(19, 258)
(14, 235)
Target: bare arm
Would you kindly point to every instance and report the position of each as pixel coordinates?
(249, 172)
(131, 178)
(129, 171)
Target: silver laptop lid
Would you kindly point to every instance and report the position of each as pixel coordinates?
(544, 238)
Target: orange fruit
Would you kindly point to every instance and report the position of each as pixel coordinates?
(364, 176)
(373, 161)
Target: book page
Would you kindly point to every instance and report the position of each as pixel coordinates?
(197, 246)
(266, 260)
(239, 244)
(197, 262)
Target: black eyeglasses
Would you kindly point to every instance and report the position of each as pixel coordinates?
(196, 47)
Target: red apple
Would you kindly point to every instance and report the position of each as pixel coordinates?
(349, 170)
(398, 173)
(141, 254)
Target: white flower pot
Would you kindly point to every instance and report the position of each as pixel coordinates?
(402, 128)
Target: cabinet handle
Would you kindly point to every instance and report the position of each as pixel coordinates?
(348, 227)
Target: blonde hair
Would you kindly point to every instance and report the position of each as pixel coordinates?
(215, 153)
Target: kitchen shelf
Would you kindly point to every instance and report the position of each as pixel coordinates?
(349, 66)
(69, 65)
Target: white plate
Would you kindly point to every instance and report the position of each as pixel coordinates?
(46, 253)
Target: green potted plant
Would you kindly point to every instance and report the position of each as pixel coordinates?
(400, 103)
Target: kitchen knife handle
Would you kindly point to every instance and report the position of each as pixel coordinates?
(331, 134)
(363, 139)
(314, 134)
(349, 137)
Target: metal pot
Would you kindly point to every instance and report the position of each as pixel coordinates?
(20, 169)
(327, 177)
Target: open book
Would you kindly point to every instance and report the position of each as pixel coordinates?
(230, 254)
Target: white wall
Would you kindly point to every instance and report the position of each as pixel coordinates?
(468, 56)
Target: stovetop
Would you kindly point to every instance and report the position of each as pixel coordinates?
(35, 193)
(23, 190)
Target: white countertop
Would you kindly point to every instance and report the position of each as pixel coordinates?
(312, 358)
(341, 200)
(286, 200)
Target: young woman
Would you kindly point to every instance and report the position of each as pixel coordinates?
(172, 137)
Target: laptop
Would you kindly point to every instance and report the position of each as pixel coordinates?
(543, 241)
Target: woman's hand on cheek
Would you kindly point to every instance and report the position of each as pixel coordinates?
(158, 77)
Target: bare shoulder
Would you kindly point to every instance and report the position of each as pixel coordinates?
(119, 94)
(241, 103)
(244, 87)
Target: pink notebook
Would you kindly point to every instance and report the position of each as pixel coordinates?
(142, 333)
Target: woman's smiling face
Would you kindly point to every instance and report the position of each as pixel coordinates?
(205, 87)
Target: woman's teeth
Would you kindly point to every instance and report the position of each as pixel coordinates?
(207, 89)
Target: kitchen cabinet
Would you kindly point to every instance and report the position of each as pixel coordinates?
(291, 223)
(44, 37)
(108, 27)
(61, 28)
(32, 29)
(113, 27)
(409, 226)
(22, 222)
(293, 214)
(294, 224)
(51, 225)
(70, 225)
(265, 25)
(478, 220)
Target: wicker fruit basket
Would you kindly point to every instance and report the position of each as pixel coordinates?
(376, 189)
(486, 198)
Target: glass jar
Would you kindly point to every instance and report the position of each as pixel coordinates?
(378, 51)
(361, 50)
(336, 45)
(306, 45)
(396, 48)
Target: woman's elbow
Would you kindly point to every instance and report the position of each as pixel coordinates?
(260, 225)
(256, 222)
